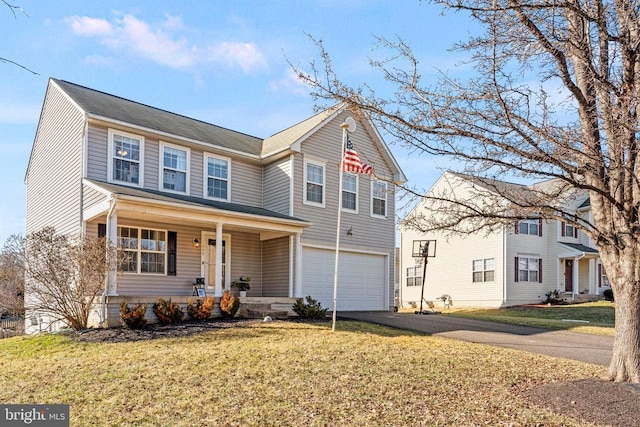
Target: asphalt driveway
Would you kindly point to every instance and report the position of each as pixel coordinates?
(570, 345)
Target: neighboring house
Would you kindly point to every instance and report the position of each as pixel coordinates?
(185, 199)
(518, 264)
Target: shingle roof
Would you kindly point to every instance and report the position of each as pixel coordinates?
(194, 201)
(112, 107)
(580, 247)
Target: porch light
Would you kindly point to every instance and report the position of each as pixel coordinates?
(196, 243)
(350, 231)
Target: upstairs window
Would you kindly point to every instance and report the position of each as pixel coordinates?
(379, 198)
(484, 270)
(350, 192)
(175, 165)
(314, 183)
(568, 230)
(217, 177)
(532, 227)
(125, 165)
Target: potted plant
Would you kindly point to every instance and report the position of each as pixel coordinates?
(243, 284)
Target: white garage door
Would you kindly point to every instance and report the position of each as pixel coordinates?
(362, 279)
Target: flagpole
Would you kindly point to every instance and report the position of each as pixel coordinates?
(344, 127)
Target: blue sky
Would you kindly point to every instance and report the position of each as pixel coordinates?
(224, 62)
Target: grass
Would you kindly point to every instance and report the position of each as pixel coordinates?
(599, 315)
(284, 374)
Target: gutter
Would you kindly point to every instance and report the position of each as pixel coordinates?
(114, 201)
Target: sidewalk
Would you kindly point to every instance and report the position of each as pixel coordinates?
(569, 345)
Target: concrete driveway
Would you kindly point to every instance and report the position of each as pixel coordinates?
(570, 345)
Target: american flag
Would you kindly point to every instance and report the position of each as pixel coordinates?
(352, 162)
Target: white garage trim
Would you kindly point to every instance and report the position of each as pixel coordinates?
(333, 248)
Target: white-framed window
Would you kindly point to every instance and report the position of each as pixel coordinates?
(569, 230)
(217, 173)
(528, 269)
(144, 251)
(603, 280)
(484, 270)
(529, 226)
(414, 276)
(314, 183)
(379, 199)
(126, 154)
(350, 192)
(174, 168)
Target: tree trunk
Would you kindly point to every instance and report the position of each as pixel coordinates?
(625, 362)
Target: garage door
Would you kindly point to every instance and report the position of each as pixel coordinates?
(362, 279)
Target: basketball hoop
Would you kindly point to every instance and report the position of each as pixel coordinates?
(423, 250)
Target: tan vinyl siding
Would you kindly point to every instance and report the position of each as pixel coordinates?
(246, 183)
(151, 164)
(97, 153)
(277, 185)
(91, 196)
(55, 168)
(197, 173)
(246, 260)
(276, 267)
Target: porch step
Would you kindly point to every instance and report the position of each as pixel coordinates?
(261, 314)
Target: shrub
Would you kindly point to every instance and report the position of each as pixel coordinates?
(311, 309)
(608, 294)
(133, 318)
(167, 312)
(201, 310)
(229, 305)
(553, 297)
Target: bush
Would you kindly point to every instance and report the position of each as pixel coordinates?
(553, 297)
(312, 309)
(229, 305)
(167, 312)
(608, 294)
(133, 318)
(201, 310)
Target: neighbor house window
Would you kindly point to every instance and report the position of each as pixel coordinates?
(484, 270)
(314, 183)
(125, 164)
(568, 230)
(530, 226)
(174, 168)
(350, 192)
(379, 198)
(603, 279)
(529, 269)
(143, 250)
(414, 276)
(217, 177)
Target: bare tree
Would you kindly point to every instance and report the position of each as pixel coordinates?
(554, 96)
(13, 8)
(64, 276)
(12, 277)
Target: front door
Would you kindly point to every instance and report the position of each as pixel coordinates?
(568, 275)
(209, 260)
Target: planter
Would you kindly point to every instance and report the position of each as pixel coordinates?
(243, 294)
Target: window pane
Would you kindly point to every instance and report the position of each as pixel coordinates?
(488, 276)
(379, 190)
(349, 201)
(379, 207)
(315, 173)
(533, 264)
(477, 276)
(489, 263)
(127, 171)
(523, 227)
(126, 148)
(152, 262)
(217, 168)
(477, 265)
(349, 182)
(128, 262)
(217, 188)
(173, 180)
(314, 192)
(524, 276)
(522, 263)
(533, 229)
(533, 276)
(175, 158)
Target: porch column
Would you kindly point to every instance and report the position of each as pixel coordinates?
(112, 239)
(576, 275)
(297, 291)
(593, 281)
(219, 244)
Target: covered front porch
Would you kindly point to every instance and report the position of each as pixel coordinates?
(169, 242)
(580, 276)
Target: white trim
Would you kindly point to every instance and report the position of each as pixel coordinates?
(386, 199)
(292, 168)
(96, 187)
(205, 175)
(161, 167)
(343, 249)
(139, 249)
(357, 193)
(107, 120)
(111, 132)
(323, 165)
(96, 210)
(204, 257)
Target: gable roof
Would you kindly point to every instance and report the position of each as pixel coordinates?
(160, 196)
(101, 105)
(580, 247)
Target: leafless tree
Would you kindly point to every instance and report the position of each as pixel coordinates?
(13, 8)
(554, 95)
(64, 275)
(12, 277)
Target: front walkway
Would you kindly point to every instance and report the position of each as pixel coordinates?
(569, 345)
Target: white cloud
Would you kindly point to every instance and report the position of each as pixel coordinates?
(164, 43)
(290, 83)
(98, 60)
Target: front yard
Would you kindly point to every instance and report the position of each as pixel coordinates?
(284, 374)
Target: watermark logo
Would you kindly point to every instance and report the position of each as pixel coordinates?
(34, 415)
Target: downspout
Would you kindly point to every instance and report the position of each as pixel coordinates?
(504, 266)
(114, 200)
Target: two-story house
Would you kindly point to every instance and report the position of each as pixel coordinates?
(517, 264)
(185, 199)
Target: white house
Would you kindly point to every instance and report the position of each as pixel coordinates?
(516, 264)
(187, 199)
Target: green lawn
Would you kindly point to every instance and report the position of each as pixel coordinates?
(594, 317)
(284, 374)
